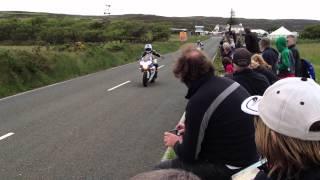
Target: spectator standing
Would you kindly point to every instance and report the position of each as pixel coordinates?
(227, 50)
(286, 66)
(255, 83)
(270, 55)
(217, 140)
(251, 41)
(288, 129)
(291, 39)
(227, 63)
(260, 66)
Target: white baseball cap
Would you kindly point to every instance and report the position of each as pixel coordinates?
(290, 107)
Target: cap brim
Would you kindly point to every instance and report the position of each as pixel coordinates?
(251, 105)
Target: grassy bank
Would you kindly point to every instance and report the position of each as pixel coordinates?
(24, 68)
(311, 52)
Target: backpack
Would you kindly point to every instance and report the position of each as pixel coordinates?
(307, 69)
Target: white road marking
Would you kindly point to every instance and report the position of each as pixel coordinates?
(111, 89)
(161, 66)
(63, 82)
(6, 136)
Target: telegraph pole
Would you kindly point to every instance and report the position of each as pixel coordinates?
(107, 10)
(232, 15)
(107, 13)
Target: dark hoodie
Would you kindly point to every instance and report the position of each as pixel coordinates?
(297, 59)
(286, 66)
(271, 56)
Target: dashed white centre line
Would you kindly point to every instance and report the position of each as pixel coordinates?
(111, 89)
(161, 66)
(6, 136)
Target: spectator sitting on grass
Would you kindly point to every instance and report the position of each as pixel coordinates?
(217, 140)
(255, 83)
(260, 66)
(166, 174)
(288, 129)
(227, 50)
(227, 63)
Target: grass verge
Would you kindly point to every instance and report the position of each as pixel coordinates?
(311, 52)
(23, 68)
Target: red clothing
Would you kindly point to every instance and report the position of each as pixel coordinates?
(229, 69)
(286, 75)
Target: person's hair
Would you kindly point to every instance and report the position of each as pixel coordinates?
(192, 65)
(226, 45)
(227, 60)
(291, 36)
(265, 42)
(166, 174)
(247, 30)
(287, 156)
(258, 61)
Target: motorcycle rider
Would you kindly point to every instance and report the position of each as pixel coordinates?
(148, 50)
(200, 44)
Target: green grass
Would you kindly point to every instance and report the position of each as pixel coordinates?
(24, 68)
(311, 52)
(217, 63)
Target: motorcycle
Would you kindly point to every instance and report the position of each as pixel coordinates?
(200, 47)
(148, 69)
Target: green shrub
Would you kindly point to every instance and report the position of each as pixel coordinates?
(311, 32)
(114, 46)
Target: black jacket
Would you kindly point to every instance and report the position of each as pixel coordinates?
(153, 53)
(272, 78)
(271, 56)
(229, 136)
(310, 174)
(297, 59)
(253, 82)
(252, 43)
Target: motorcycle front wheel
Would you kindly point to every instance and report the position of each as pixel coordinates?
(145, 79)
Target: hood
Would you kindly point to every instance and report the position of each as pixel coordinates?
(281, 43)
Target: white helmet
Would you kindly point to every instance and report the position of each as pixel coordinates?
(148, 47)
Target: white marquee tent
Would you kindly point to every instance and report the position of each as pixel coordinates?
(281, 32)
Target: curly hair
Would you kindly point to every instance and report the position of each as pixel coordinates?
(192, 65)
(258, 61)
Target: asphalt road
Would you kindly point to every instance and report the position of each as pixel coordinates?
(87, 129)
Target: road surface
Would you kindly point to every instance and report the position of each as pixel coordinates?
(101, 126)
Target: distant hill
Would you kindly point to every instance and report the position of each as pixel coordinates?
(210, 22)
(181, 22)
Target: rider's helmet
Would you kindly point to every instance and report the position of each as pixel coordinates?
(148, 48)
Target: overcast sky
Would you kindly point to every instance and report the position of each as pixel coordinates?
(268, 9)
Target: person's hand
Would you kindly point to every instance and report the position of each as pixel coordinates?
(170, 139)
(181, 128)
